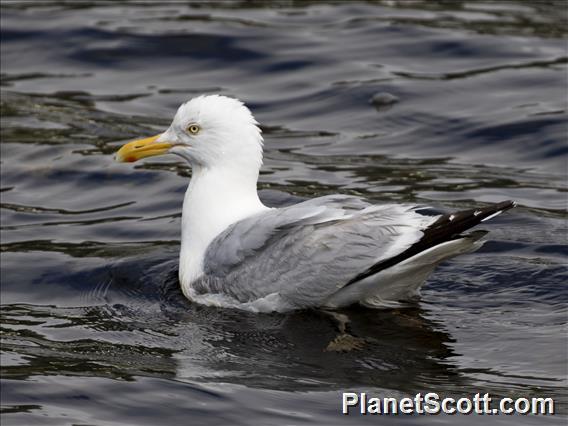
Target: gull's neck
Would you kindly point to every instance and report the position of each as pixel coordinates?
(215, 199)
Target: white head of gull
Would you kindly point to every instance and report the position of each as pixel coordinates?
(330, 251)
(220, 139)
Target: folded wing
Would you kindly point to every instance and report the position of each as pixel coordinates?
(308, 251)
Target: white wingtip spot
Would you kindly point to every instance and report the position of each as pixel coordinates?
(452, 217)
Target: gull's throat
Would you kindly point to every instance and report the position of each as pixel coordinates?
(214, 200)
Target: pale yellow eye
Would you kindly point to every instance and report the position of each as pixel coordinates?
(193, 129)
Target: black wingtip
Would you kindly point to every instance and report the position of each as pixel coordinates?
(447, 227)
(504, 205)
(462, 220)
(490, 212)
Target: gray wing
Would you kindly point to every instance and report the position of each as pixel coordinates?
(308, 251)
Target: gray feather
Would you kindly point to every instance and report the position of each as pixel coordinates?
(308, 251)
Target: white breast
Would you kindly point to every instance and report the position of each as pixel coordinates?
(213, 201)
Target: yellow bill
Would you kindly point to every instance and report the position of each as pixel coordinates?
(141, 148)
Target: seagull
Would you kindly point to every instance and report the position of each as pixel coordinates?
(327, 252)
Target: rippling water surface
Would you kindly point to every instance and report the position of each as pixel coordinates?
(453, 104)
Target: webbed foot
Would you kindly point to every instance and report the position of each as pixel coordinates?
(345, 343)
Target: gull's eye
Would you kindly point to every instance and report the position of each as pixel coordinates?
(193, 129)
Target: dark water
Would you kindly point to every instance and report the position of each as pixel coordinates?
(453, 104)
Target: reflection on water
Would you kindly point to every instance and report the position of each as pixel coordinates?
(163, 335)
(451, 104)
